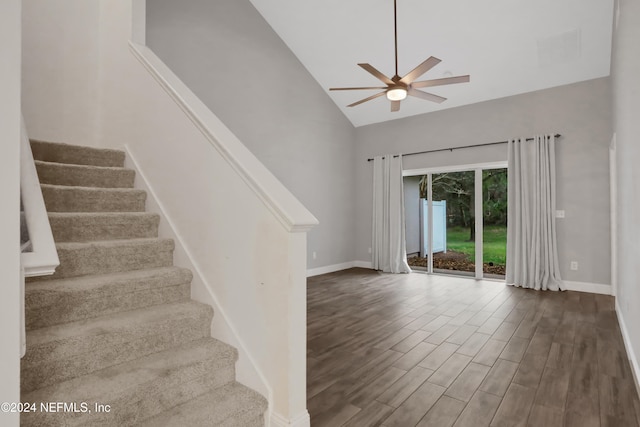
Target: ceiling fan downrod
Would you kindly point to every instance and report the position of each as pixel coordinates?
(395, 32)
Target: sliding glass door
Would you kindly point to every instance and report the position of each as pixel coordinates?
(453, 223)
(494, 220)
(456, 220)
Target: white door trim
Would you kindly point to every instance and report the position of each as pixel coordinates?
(478, 205)
(457, 168)
(479, 222)
(613, 212)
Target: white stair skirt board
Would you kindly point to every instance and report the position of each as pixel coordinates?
(631, 355)
(594, 288)
(337, 267)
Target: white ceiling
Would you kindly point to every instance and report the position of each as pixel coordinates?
(507, 46)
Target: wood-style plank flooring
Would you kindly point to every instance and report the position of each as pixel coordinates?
(419, 350)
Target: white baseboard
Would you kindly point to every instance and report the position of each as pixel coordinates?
(329, 269)
(337, 267)
(631, 355)
(363, 264)
(302, 420)
(594, 288)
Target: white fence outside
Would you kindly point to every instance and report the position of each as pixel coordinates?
(439, 208)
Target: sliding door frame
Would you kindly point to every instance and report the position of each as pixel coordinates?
(477, 168)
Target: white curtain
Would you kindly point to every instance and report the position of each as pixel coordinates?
(389, 252)
(532, 252)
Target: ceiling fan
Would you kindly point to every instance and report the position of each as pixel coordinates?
(398, 87)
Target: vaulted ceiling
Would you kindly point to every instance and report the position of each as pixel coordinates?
(507, 46)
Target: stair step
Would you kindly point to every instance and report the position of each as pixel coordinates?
(232, 405)
(84, 176)
(141, 388)
(52, 302)
(61, 198)
(62, 352)
(114, 325)
(92, 226)
(110, 256)
(74, 154)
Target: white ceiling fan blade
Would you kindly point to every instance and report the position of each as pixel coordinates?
(428, 64)
(440, 82)
(355, 88)
(371, 69)
(367, 99)
(426, 96)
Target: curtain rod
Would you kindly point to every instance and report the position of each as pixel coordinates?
(557, 135)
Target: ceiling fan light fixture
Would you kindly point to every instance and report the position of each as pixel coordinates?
(396, 94)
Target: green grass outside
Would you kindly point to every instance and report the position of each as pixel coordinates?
(494, 243)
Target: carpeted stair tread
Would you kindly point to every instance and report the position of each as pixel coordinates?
(75, 154)
(84, 175)
(92, 226)
(111, 256)
(62, 198)
(232, 405)
(57, 301)
(140, 388)
(115, 324)
(61, 352)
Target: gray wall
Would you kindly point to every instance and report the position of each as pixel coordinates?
(412, 213)
(580, 112)
(626, 124)
(231, 58)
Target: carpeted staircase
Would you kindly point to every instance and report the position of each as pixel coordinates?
(115, 324)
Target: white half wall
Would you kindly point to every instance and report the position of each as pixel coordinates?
(244, 232)
(221, 328)
(10, 54)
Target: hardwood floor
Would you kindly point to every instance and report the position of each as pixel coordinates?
(419, 350)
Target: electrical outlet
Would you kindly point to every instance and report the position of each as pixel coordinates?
(314, 255)
(369, 250)
(574, 265)
(559, 214)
